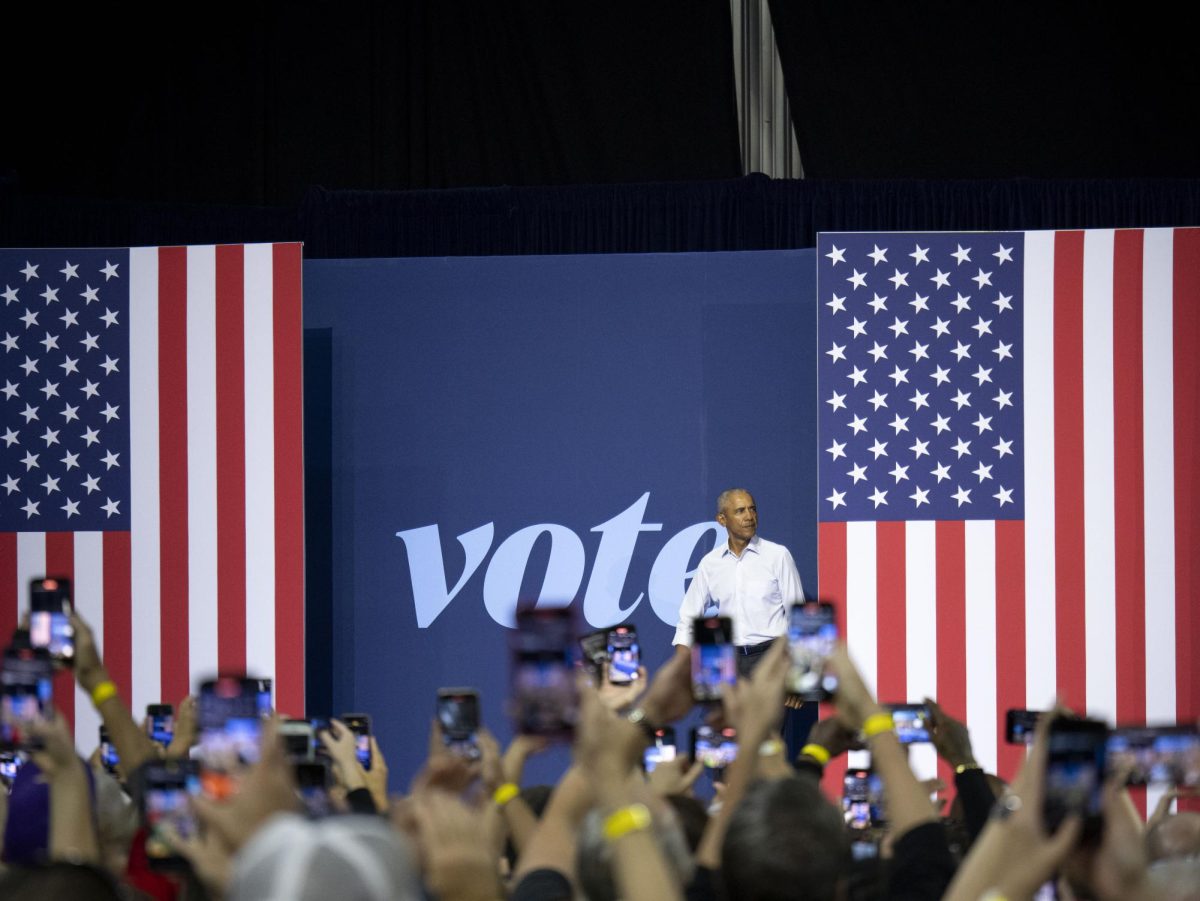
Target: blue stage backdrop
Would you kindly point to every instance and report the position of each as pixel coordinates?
(554, 427)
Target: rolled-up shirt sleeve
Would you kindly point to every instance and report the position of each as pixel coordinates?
(693, 605)
(789, 579)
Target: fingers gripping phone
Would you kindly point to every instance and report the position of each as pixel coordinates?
(168, 786)
(1075, 773)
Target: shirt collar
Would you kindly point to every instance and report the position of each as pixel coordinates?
(751, 545)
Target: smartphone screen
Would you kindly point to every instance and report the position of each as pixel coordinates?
(10, 764)
(230, 729)
(714, 660)
(26, 697)
(624, 656)
(662, 750)
(545, 697)
(862, 799)
(360, 725)
(912, 722)
(108, 753)
(265, 706)
(715, 748)
(1019, 726)
(458, 715)
(49, 618)
(1075, 772)
(168, 788)
(1163, 754)
(812, 634)
(160, 723)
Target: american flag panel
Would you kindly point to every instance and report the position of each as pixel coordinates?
(1007, 471)
(152, 440)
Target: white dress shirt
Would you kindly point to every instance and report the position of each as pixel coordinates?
(754, 590)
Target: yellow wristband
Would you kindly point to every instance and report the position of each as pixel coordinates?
(816, 752)
(877, 724)
(633, 818)
(103, 692)
(505, 793)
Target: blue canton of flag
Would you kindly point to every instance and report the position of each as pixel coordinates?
(64, 430)
(920, 376)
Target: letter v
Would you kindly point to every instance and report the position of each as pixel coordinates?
(428, 571)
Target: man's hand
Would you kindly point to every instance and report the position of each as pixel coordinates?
(950, 737)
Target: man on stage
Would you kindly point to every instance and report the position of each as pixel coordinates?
(748, 579)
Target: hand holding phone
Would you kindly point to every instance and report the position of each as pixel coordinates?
(168, 786)
(662, 750)
(1075, 773)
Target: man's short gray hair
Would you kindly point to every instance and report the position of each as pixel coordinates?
(724, 496)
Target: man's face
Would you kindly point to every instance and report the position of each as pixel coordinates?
(740, 516)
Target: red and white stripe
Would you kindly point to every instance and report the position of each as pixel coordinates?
(210, 576)
(1087, 598)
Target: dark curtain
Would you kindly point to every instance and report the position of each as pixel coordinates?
(752, 213)
(253, 103)
(990, 90)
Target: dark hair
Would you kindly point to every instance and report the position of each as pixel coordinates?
(785, 841)
(59, 880)
(692, 817)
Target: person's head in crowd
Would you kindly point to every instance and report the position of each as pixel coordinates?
(785, 841)
(693, 817)
(1175, 836)
(1175, 879)
(117, 821)
(59, 880)
(594, 859)
(351, 858)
